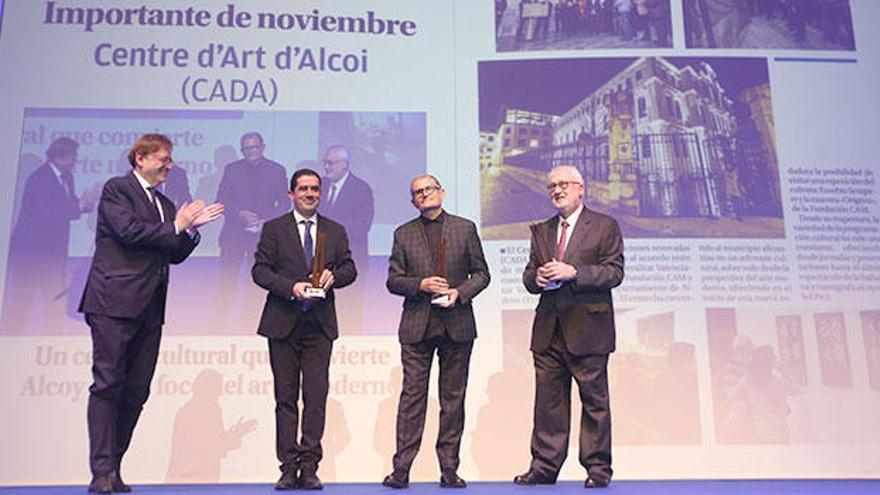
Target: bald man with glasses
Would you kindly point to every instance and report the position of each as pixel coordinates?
(437, 265)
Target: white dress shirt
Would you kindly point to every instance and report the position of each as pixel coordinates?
(301, 227)
(572, 221)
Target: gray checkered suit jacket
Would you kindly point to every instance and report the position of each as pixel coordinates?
(466, 270)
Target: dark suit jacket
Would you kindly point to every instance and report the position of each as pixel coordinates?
(412, 260)
(354, 209)
(279, 262)
(43, 227)
(583, 306)
(132, 250)
(258, 187)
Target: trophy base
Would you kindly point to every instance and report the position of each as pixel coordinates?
(316, 293)
(554, 285)
(440, 300)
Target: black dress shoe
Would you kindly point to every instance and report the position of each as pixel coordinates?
(101, 484)
(287, 481)
(450, 479)
(531, 477)
(118, 485)
(595, 483)
(308, 479)
(395, 480)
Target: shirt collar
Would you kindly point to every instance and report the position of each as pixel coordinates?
(143, 182)
(439, 219)
(55, 169)
(300, 218)
(573, 218)
(341, 182)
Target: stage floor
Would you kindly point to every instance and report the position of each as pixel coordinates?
(848, 486)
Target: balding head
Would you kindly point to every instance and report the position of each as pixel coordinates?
(565, 184)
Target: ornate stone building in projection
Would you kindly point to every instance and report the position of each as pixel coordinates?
(661, 140)
(519, 132)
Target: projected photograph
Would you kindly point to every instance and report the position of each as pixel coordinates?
(671, 147)
(530, 25)
(781, 24)
(871, 336)
(652, 379)
(242, 159)
(781, 378)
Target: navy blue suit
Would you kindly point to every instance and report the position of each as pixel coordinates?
(38, 248)
(300, 338)
(124, 303)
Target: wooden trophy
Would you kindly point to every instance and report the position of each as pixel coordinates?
(544, 251)
(316, 291)
(441, 272)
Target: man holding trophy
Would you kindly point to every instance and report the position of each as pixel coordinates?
(437, 265)
(576, 259)
(300, 259)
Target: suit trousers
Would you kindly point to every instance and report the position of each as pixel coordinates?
(554, 370)
(125, 351)
(303, 358)
(454, 360)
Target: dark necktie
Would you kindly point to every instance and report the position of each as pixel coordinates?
(155, 198)
(67, 180)
(307, 243)
(307, 250)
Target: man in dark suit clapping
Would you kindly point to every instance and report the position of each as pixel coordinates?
(437, 255)
(139, 233)
(37, 268)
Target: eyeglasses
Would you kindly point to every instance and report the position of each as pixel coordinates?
(425, 191)
(333, 162)
(164, 160)
(563, 185)
(251, 148)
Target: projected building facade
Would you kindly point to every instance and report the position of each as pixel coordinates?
(657, 140)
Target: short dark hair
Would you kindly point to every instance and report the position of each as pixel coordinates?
(61, 147)
(300, 173)
(146, 144)
(252, 134)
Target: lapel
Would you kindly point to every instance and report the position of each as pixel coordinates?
(293, 241)
(341, 192)
(322, 229)
(550, 235)
(578, 233)
(138, 191)
(444, 234)
(47, 176)
(68, 185)
(164, 203)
